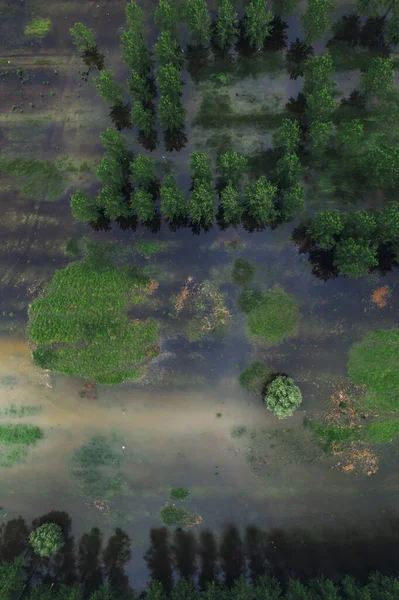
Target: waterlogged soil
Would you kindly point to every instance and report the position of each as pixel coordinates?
(178, 427)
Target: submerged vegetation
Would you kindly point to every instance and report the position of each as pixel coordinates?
(255, 378)
(15, 441)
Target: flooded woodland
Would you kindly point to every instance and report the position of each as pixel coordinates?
(261, 490)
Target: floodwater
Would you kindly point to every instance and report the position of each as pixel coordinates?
(175, 428)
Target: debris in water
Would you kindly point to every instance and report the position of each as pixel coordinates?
(379, 296)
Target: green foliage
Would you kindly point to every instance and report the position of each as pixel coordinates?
(392, 26)
(255, 378)
(378, 79)
(382, 432)
(318, 71)
(320, 136)
(231, 203)
(179, 493)
(350, 136)
(167, 50)
(47, 539)
(134, 15)
(171, 113)
(380, 166)
(12, 579)
(320, 104)
(373, 363)
(200, 167)
(283, 397)
(284, 7)
(288, 170)
(172, 515)
(202, 204)
(243, 271)
(83, 37)
(287, 136)
(328, 435)
(38, 27)
(84, 207)
(139, 87)
(115, 144)
(354, 257)
(17, 412)
(360, 224)
(80, 327)
(226, 24)
(167, 15)
(260, 198)
(142, 203)
(326, 227)
(292, 201)
(315, 20)
(135, 52)
(109, 172)
(273, 316)
(173, 201)
(198, 19)
(39, 179)
(169, 81)
(111, 200)
(257, 21)
(388, 222)
(143, 118)
(142, 169)
(109, 90)
(233, 166)
(28, 435)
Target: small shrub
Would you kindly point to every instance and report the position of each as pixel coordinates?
(179, 493)
(47, 539)
(255, 378)
(172, 515)
(283, 397)
(238, 432)
(243, 271)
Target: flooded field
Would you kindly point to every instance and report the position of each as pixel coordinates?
(110, 455)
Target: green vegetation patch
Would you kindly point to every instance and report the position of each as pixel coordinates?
(255, 378)
(328, 435)
(17, 412)
(272, 316)
(38, 27)
(79, 326)
(148, 249)
(243, 271)
(179, 493)
(14, 443)
(283, 397)
(382, 432)
(172, 515)
(373, 362)
(39, 179)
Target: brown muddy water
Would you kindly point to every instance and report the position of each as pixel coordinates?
(175, 428)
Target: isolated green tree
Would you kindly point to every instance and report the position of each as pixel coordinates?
(201, 204)
(115, 144)
(320, 105)
(171, 113)
(143, 118)
(257, 23)
(83, 37)
(292, 201)
(47, 539)
(226, 24)
(315, 20)
(109, 90)
(167, 16)
(84, 207)
(200, 168)
(287, 136)
(326, 227)
(388, 223)
(111, 200)
(109, 172)
(140, 87)
(378, 79)
(196, 13)
(167, 50)
(288, 169)
(142, 169)
(134, 51)
(283, 397)
(173, 201)
(134, 15)
(282, 8)
(320, 135)
(260, 199)
(231, 203)
(354, 257)
(169, 81)
(142, 204)
(349, 137)
(233, 166)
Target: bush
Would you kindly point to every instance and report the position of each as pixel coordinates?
(172, 515)
(283, 397)
(243, 271)
(47, 539)
(255, 378)
(179, 493)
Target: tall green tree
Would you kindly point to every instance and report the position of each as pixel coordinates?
(388, 223)
(282, 8)
(288, 169)
(171, 113)
(326, 228)
(231, 203)
(109, 172)
(167, 50)
(378, 79)
(108, 88)
(320, 105)
(380, 166)
(320, 135)
(111, 200)
(84, 207)
(83, 37)
(226, 30)
(292, 201)
(167, 16)
(350, 136)
(287, 136)
(316, 20)
(115, 145)
(134, 49)
(233, 166)
(318, 72)
(354, 257)
(47, 539)
(12, 579)
(173, 201)
(201, 204)
(140, 87)
(392, 26)
(142, 169)
(142, 203)
(260, 198)
(135, 18)
(196, 13)
(143, 118)
(200, 167)
(169, 81)
(257, 23)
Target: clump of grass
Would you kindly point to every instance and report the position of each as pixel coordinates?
(9, 458)
(238, 432)
(27, 435)
(328, 435)
(17, 412)
(172, 515)
(273, 316)
(243, 271)
(255, 378)
(382, 432)
(41, 179)
(179, 493)
(38, 27)
(373, 362)
(79, 325)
